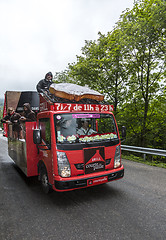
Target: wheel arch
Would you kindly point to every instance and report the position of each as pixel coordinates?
(42, 171)
(41, 166)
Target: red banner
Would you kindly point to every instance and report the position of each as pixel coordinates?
(83, 107)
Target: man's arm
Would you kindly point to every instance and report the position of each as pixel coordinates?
(39, 86)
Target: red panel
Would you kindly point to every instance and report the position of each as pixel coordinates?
(74, 107)
(31, 150)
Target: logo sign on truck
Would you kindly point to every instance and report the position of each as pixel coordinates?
(94, 160)
(99, 180)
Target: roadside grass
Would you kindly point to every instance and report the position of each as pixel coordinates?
(150, 162)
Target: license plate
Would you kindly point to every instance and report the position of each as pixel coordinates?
(97, 181)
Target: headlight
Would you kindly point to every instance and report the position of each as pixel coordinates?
(63, 165)
(117, 159)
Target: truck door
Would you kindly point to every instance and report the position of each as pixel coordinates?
(45, 148)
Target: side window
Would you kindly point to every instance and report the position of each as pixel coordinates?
(44, 125)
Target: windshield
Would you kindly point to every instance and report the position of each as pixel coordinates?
(72, 128)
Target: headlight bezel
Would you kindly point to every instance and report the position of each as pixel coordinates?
(117, 157)
(64, 169)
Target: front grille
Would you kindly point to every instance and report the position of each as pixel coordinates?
(79, 166)
(107, 161)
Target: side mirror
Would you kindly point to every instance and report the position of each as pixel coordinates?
(123, 132)
(37, 136)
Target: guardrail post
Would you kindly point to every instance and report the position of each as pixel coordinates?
(144, 156)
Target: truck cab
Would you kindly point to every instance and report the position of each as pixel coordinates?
(72, 157)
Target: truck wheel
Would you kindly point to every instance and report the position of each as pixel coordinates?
(44, 181)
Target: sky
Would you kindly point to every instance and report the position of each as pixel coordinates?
(38, 36)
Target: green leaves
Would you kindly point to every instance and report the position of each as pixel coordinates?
(127, 65)
(144, 39)
(101, 67)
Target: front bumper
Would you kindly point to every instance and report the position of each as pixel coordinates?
(89, 181)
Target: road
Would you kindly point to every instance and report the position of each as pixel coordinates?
(131, 208)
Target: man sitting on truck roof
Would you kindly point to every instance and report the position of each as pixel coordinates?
(44, 84)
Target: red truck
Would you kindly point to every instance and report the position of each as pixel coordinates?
(63, 157)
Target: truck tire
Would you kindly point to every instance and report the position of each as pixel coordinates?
(44, 181)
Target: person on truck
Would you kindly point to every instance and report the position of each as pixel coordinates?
(28, 115)
(85, 129)
(44, 84)
(67, 125)
(6, 119)
(13, 118)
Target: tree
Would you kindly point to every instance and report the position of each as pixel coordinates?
(128, 66)
(101, 67)
(61, 77)
(144, 38)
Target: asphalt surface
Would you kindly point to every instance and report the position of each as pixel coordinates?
(131, 208)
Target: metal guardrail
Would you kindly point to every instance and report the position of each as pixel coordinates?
(143, 150)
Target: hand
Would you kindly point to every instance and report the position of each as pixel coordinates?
(45, 91)
(22, 118)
